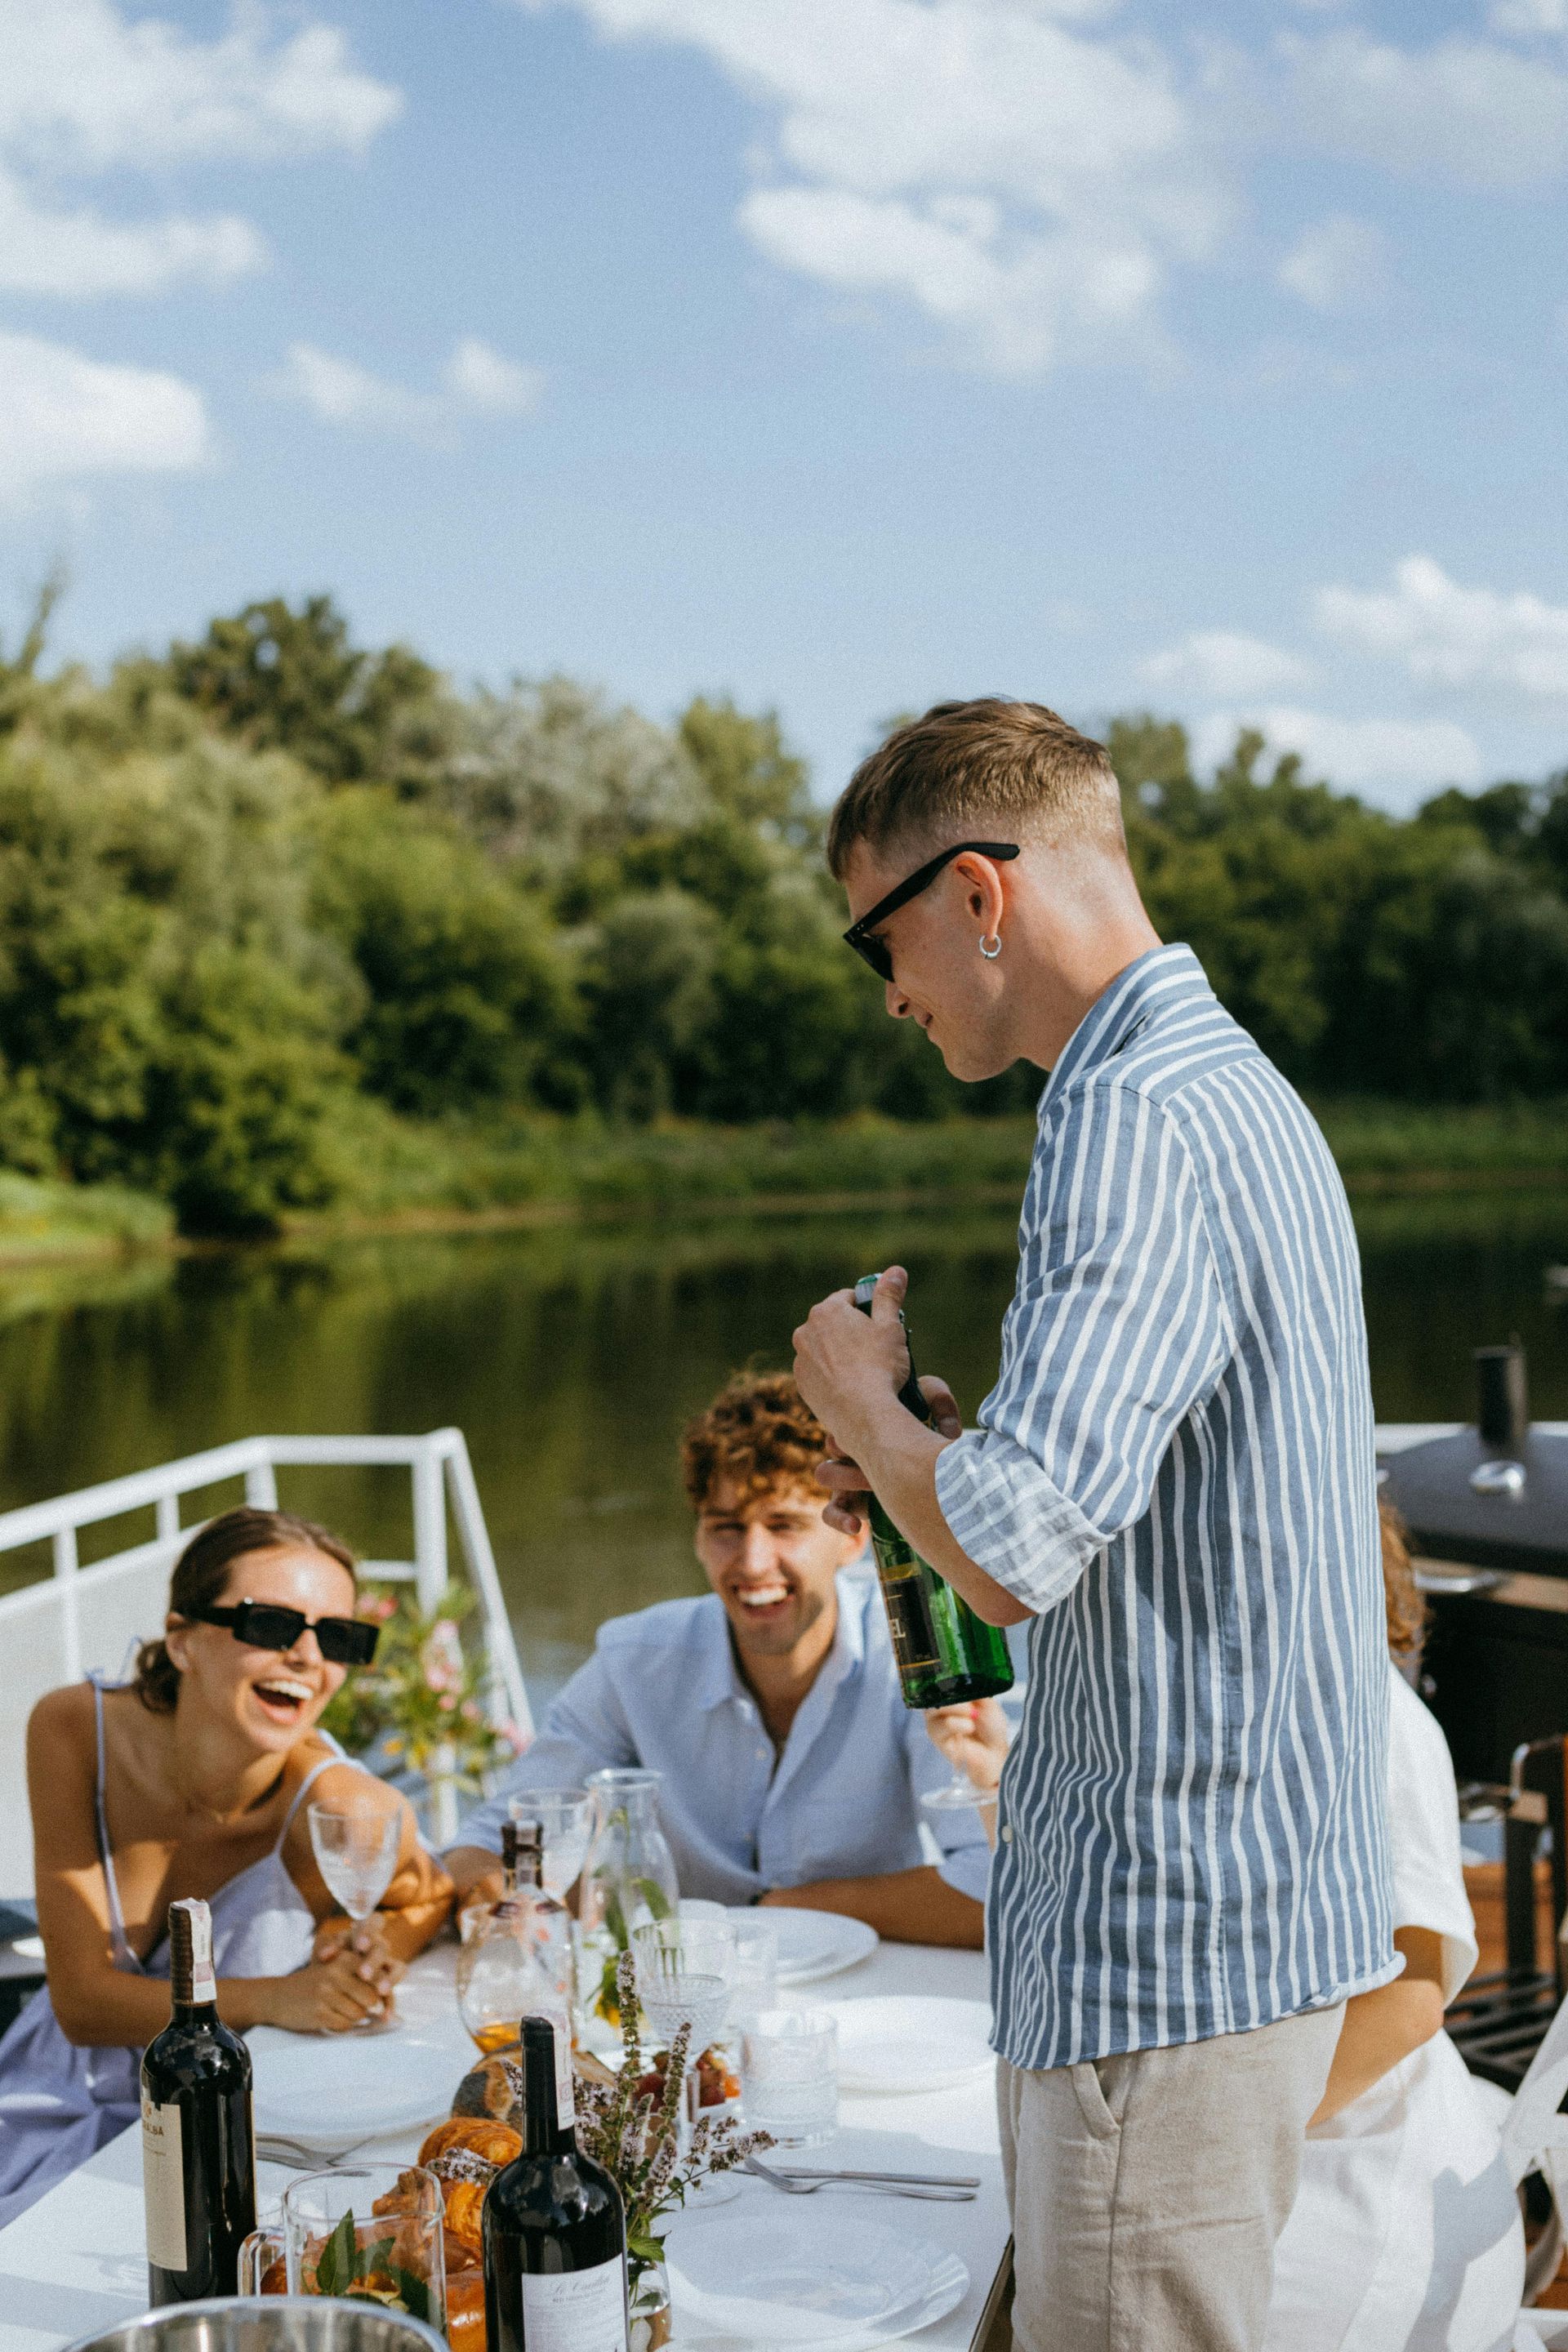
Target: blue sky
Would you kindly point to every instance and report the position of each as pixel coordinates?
(838, 354)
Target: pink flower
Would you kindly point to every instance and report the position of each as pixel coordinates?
(441, 1659)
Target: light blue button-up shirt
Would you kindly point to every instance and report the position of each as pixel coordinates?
(662, 1690)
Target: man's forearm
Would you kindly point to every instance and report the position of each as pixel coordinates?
(908, 1906)
(898, 1457)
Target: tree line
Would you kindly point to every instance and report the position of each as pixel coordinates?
(266, 892)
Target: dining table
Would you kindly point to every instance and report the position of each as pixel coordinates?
(75, 2262)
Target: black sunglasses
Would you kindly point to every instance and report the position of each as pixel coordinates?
(265, 1625)
(876, 952)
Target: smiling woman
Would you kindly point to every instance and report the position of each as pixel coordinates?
(192, 1780)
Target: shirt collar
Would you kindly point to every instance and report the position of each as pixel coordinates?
(1150, 987)
(719, 1678)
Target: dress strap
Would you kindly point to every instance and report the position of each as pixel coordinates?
(309, 1782)
(123, 1956)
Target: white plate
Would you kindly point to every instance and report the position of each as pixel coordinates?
(332, 2090)
(813, 1943)
(911, 2045)
(833, 2278)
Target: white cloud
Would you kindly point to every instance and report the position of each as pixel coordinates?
(479, 378)
(85, 91)
(1225, 662)
(1463, 108)
(1394, 760)
(1027, 187)
(1529, 15)
(476, 380)
(1336, 264)
(1445, 634)
(81, 253)
(66, 417)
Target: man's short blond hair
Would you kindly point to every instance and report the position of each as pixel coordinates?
(991, 767)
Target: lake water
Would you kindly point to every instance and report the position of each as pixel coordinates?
(570, 1359)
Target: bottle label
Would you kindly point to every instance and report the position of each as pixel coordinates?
(576, 2311)
(909, 1621)
(163, 2185)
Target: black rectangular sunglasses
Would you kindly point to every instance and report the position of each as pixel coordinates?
(267, 1625)
(875, 951)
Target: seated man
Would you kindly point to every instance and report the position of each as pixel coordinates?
(792, 1770)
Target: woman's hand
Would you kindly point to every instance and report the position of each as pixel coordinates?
(379, 1964)
(330, 1996)
(974, 1739)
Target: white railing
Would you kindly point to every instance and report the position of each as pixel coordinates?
(80, 1619)
(1396, 1437)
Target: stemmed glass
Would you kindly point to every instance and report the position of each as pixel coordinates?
(566, 1818)
(356, 1853)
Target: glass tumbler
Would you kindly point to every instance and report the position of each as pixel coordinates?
(372, 2234)
(789, 2075)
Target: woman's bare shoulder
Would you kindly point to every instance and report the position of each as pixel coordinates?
(61, 1722)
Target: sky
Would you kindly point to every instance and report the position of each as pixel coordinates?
(1206, 356)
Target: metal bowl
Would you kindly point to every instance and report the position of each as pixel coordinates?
(267, 2322)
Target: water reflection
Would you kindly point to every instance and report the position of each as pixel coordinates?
(570, 1359)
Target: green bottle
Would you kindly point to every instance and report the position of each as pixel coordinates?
(946, 1654)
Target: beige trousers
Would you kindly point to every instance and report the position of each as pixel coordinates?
(1148, 2191)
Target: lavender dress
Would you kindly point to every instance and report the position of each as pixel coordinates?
(59, 2103)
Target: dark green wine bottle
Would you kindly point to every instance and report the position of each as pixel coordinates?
(946, 1654)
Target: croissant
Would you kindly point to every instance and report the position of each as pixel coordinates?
(466, 2310)
(496, 2142)
(493, 2087)
(465, 2203)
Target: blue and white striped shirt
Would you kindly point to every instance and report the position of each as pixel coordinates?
(1176, 1471)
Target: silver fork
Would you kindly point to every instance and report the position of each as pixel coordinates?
(876, 2188)
(271, 2147)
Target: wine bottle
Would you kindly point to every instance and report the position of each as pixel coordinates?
(946, 1655)
(198, 2149)
(554, 2227)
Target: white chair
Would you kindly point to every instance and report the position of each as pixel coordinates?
(1536, 2139)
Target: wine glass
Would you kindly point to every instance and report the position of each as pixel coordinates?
(356, 1853)
(566, 1818)
(960, 1794)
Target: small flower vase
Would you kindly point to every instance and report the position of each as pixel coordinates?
(649, 2308)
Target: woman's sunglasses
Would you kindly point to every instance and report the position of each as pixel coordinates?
(861, 936)
(265, 1625)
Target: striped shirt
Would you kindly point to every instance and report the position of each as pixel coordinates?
(1176, 1471)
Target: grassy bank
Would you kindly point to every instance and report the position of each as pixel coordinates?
(396, 1173)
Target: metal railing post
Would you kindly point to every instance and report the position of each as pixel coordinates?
(66, 1565)
(429, 1528)
(261, 1487)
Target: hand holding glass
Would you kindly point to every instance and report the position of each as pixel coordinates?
(356, 1853)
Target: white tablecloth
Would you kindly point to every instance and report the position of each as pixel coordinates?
(76, 2261)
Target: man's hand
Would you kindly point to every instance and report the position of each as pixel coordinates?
(850, 1365)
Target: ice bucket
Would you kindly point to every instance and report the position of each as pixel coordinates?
(267, 2322)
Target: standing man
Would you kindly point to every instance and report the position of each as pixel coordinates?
(1175, 1478)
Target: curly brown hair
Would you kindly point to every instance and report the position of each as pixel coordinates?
(1402, 1599)
(758, 1432)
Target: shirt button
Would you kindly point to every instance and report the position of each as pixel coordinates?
(1008, 1833)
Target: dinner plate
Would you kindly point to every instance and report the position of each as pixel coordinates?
(836, 2279)
(813, 1943)
(911, 2043)
(334, 2090)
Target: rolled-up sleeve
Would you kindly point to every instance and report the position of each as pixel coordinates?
(1117, 1329)
(584, 1731)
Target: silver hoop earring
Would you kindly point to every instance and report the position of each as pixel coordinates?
(991, 954)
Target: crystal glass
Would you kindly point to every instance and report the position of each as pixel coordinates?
(753, 1981)
(684, 1971)
(501, 1976)
(369, 2232)
(356, 1853)
(789, 2075)
(566, 1818)
(627, 1879)
(263, 2264)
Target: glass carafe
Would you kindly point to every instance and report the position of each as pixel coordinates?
(629, 1878)
(501, 1976)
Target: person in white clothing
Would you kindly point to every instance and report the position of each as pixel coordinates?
(1406, 2234)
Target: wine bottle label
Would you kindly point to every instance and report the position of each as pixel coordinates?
(908, 1618)
(576, 2311)
(163, 2185)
